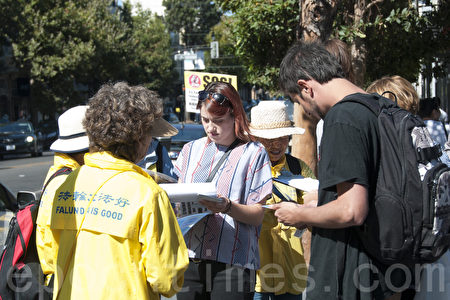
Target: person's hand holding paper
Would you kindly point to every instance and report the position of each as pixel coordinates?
(215, 206)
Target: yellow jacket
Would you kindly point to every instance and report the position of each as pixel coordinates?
(44, 237)
(130, 245)
(283, 268)
(61, 160)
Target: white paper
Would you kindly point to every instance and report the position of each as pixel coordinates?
(190, 192)
(299, 182)
(187, 222)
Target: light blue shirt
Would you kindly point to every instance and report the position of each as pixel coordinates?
(151, 158)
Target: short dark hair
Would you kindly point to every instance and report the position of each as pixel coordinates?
(427, 105)
(307, 60)
(119, 116)
(340, 50)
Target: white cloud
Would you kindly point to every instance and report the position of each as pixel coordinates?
(154, 5)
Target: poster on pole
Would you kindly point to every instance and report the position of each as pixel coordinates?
(196, 81)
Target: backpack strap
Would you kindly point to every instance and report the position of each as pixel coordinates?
(424, 155)
(293, 164)
(373, 102)
(445, 129)
(62, 171)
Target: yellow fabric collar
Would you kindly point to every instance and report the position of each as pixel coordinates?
(63, 160)
(105, 160)
(276, 170)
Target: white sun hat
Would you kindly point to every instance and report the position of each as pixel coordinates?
(269, 120)
(72, 135)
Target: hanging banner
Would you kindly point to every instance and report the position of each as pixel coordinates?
(196, 81)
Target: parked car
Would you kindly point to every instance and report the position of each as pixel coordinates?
(8, 205)
(186, 132)
(49, 131)
(20, 137)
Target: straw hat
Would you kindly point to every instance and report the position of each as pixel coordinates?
(72, 135)
(269, 120)
(162, 128)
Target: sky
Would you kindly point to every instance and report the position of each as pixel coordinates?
(154, 5)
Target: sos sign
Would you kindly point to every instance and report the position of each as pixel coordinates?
(197, 81)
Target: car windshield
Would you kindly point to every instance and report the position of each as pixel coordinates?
(16, 128)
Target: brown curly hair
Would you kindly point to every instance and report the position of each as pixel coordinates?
(119, 116)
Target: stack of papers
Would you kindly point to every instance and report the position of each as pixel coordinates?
(299, 182)
(191, 192)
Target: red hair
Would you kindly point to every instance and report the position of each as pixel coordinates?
(234, 106)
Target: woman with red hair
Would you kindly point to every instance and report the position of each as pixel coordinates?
(223, 248)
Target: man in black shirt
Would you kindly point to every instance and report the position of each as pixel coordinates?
(348, 166)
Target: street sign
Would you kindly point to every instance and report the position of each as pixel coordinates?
(184, 56)
(214, 49)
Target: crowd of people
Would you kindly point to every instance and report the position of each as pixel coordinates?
(106, 229)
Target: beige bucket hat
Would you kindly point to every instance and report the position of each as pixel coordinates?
(162, 128)
(269, 120)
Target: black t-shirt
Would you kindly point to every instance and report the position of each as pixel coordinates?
(349, 152)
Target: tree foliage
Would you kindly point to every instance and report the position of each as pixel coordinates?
(191, 18)
(69, 48)
(151, 62)
(397, 39)
(394, 38)
(262, 32)
(227, 62)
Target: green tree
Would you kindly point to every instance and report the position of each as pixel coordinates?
(150, 62)
(227, 62)
(262, 31)
(386, 36)
(191, 18)
(58, 43)
(69, 48)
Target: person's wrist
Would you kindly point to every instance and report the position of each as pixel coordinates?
(227, 207)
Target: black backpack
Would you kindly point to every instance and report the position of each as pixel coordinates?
(409, 219)
(21, 276)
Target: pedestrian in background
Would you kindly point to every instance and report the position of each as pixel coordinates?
(223, 249)
(69, 149)
(429, 111)
(399, 90)
(116, 235)
(283, 268)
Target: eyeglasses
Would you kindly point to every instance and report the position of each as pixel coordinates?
(219, 98)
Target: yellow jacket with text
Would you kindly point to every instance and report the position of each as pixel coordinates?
(129, 246)
(44, 237)
(283, 268)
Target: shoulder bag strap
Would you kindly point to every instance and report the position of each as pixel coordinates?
(222, 159)
(293, 164)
